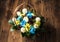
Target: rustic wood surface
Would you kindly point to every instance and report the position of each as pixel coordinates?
(50, 9)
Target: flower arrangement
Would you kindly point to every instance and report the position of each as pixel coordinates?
(27, 22)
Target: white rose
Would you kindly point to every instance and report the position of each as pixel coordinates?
(18, 13)
(11, 30)
(24, 11)
(23, 30)
(13, 19)
(38, 19)
(36, 26)
(26, 19)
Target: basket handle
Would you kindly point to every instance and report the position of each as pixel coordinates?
(19, 6)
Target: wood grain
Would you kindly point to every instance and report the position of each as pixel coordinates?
(50, 9)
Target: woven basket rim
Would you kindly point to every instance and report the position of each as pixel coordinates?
(19, 6)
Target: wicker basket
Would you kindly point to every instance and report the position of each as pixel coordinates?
(23, 5)
(29, 7)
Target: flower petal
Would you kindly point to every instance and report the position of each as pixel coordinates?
(24, 11)
(26, 19)
(32, 30)
(23, 23)
(38, 19)
(23, 30)
(18, 13)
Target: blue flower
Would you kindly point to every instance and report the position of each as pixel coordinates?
(28, 12)
(23, 23)
(19, 18)
(32, 30)
(29, 15)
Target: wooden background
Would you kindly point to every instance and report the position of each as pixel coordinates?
(50, 9)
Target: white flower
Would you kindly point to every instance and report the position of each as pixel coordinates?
(38, 19)
(26, 19)
(11, 30)
(13, 19)
(36, 26)
(18, 13)
(24, 11)
(23, 30)
(33, 14)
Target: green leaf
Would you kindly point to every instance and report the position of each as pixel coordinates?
(11, 22)
(14, 27)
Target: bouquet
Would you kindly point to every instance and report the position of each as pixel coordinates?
(27, 22)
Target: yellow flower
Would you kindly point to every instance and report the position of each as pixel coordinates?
(33, 14)
(36, 26)
(38, 22)
(27, 27)
(22, 14)
(17, 22)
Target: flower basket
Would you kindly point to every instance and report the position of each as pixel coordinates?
(26, 20)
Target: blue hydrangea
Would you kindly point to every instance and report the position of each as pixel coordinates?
(29, 15)
(19, 18)
(23, 23)
(32, 30)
